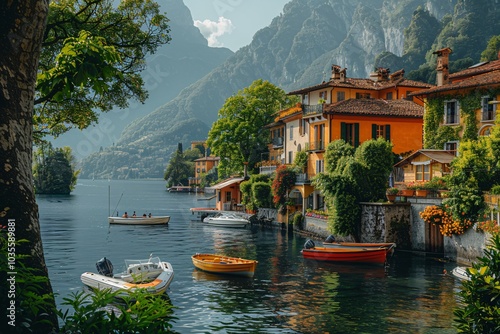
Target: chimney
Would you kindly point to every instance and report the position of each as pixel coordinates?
(442, 66)
(380, 74)
(338, 73)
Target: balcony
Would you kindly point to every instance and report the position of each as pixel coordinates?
(316, 146)
(267, 170)
(310, 110)
(277, 142)
(302, 178)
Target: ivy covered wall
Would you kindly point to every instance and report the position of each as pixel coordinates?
(436, 135)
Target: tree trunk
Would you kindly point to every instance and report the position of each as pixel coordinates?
(22, 24)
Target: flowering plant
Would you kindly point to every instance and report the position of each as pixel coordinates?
(490, 226)
(447, 225)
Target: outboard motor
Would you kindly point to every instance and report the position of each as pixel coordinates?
(309, 244)
(104, 267)
(330, 239)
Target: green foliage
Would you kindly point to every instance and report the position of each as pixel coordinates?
(377, 157)
(470, 177)
(336, 150)
(300, 161)
(352, 176)
(282, 184)
(180, 167)
(298, 220)
(100, 312)
(262, 195)
(92, 56)
(495, 190)
(54, 170)
(479, 310)
(256, 192)
(492, 49)
(239, 134)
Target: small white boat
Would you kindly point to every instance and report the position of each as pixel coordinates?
(152, 275)
(461, 273)
(226, 220)
(159, 220)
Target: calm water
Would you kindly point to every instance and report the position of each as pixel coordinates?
(288, 294)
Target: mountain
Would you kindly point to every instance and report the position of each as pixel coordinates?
(174, 66)
(297, 50)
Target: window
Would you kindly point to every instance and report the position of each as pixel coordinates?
(349, 132)
(318, 137)
(322, 95)
(320, 166)
(363, 95)
(291, 132)
(383, 131)
(451, 146)
(302, 127)
(305, 99)
(423, 172)
(290, 157)
(489, 110)
(228, 196)
(340, 96)
(388, 96)
(451, 112)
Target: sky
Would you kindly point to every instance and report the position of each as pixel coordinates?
(232, 23)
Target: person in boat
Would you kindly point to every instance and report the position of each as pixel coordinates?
(134, 215)
(150, 215)
(125, 215)
(144, 215)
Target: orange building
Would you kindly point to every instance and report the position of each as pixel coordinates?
(355, 110)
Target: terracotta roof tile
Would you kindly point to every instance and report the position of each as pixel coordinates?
(376, 107)
(367, 84)
(477, 69)
(488, 79)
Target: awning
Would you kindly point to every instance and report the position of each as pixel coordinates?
(420, 163)
(226, 183)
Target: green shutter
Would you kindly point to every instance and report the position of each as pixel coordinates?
(342, 131)
(356, 134)
(388, 132)
(374, 131)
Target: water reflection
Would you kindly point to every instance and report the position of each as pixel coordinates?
(288, 294)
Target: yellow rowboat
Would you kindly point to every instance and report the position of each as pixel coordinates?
(220, 264)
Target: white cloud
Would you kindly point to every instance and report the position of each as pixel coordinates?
(213, 30)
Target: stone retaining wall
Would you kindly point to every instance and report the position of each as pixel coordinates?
(400, 222)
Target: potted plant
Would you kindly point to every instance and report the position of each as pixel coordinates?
(391, 193)
(408, 190)
(421, 189)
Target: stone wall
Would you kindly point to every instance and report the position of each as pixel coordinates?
(400, 222)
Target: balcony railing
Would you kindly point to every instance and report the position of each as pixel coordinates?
(302, 178)
(316, 146)
(267, 169)
(277, 142)
(309, 110)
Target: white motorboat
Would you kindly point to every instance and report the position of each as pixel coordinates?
(152, 275)
(461, 273)
(227, 220)
(160, 220)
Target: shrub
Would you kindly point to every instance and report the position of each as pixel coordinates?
(490, 226)
(495, 190)
(479, 308)
(392, 191)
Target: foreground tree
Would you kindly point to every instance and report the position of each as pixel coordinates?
(77, 72)
(239, 135)
(22, 26)
(92, 56)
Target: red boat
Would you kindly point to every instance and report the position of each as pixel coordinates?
(344, 254)
(330, 242)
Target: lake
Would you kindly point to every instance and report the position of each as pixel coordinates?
(288, 294)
